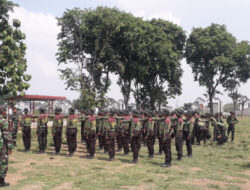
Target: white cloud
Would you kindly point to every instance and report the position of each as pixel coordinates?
(41, 32)
(149, 9)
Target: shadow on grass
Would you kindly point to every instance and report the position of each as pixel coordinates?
(245, 166)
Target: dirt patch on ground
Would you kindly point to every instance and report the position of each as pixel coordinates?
(195, 169)
(223, 185)
(67, 185)
(205, 182)
(140, 187)
(32, 187)
(178, 168)
(247, 172)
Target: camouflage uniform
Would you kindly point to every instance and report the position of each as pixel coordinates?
(42, 122)
(135, 132)
(90, 134)
(119, 133)
(164, 124)
(221, 130)
(57, 131)
(6, 144)
(110, 137)
(179, 138)
(71, 133)
(15, 119)
(231, 120)
(126, 133)
(26, 130)
(188, 128)
(150, 135)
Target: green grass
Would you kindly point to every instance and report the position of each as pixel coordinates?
(212, 167)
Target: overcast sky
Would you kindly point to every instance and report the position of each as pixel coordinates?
(39, 23)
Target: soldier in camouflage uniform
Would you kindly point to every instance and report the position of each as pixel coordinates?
(135, 132)
(119, 131)
(15, 123)
(110, 135)
(6, 146)
(90, 132)
(179, 135)
(99, 129)
(231, 121)
(42, 122)
(150, 135)
(159, 133)
(221, 130)
(71, 131)
(125, 132)
(164, 123)
(26, 129)
(188, 127)
(57, 130)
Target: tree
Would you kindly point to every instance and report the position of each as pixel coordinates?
(164, 50)
(187, 106)
(243, 101)
(229, 107)
(13, 79)
(216, 58)
(235, 96)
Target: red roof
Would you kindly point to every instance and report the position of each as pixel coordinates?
(36, 97)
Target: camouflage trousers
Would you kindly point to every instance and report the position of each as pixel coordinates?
(125, 142)
(150, 144)
(57, 137)
(119, 140)
(179, 144)
(91, 139)
(135, 146)
(15, 130)
(26, 137)
(231, 129)
(160, 140)
(111, 144)
(3, 161)
(42, 138)
(101, 141)
(166, 145)
(71, 139)
(188, 142)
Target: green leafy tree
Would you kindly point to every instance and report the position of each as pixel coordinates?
(187, 106)
(13, 79)
(235, 96)
(165, 45)
(243, 101)
(215, 58)
(229, 107)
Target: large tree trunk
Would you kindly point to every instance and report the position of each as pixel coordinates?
(211, 104)
(234, 107)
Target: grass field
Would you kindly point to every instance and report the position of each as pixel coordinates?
(212, 167)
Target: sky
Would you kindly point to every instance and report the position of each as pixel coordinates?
(39, 23)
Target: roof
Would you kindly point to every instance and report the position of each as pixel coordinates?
(36, 97)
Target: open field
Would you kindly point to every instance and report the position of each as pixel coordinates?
(212, 167)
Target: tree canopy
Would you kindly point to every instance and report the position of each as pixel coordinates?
(13, 79)
(95, 43)
(216, 58)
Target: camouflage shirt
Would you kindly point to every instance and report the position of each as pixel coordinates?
(6, 140)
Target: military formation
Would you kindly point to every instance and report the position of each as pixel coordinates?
(116, 131)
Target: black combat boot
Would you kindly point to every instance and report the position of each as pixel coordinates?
(159, 153)
(179, 157)
(167, 164)
(2, 183)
